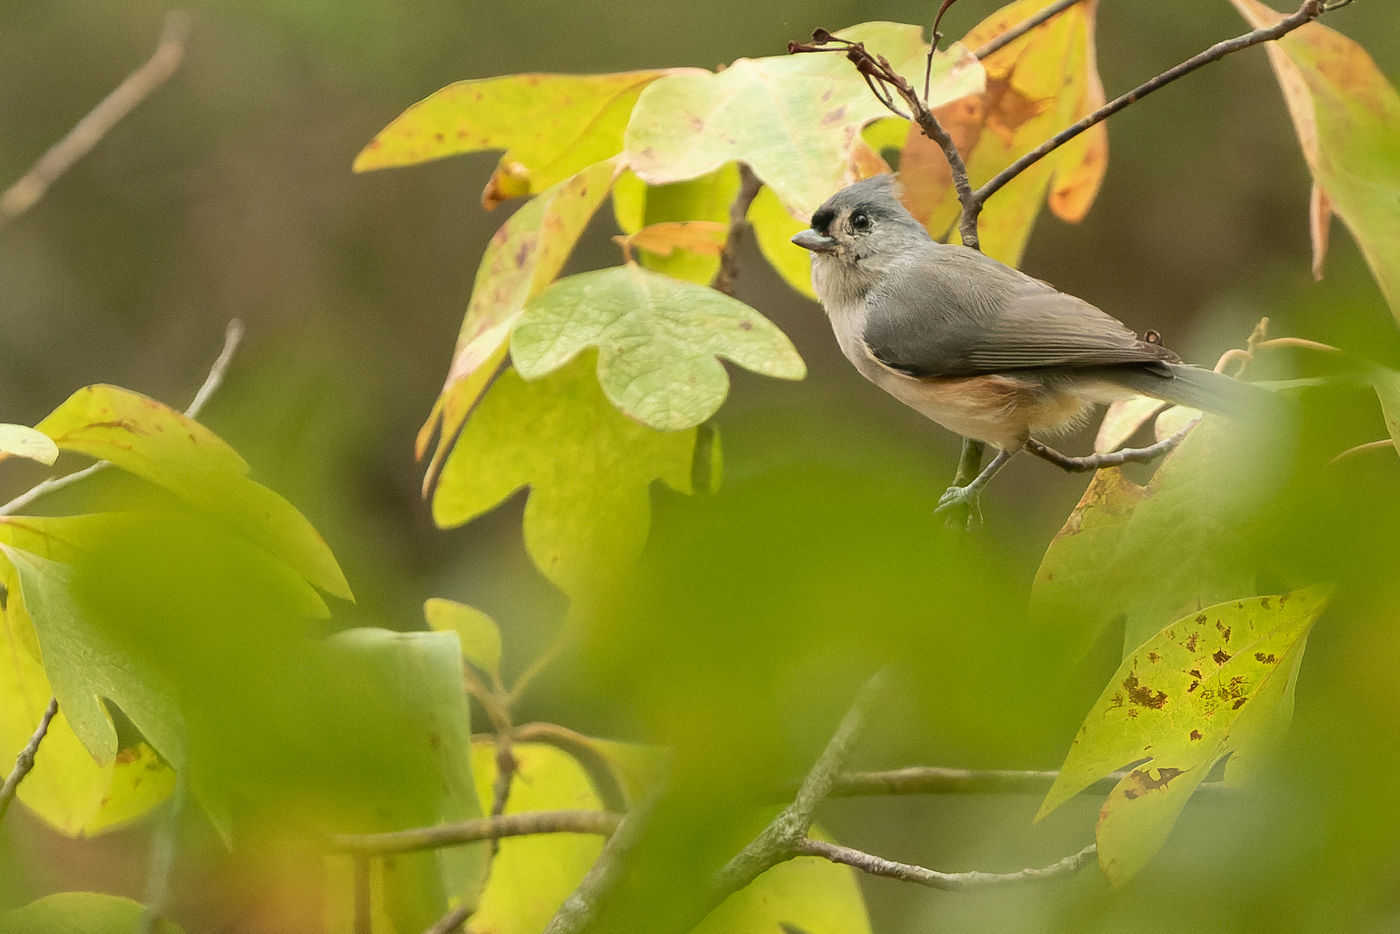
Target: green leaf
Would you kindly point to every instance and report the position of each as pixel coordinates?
(479, 634)
(1387, 386)
(79, 913)
(588, 466)
(177, 453)
(1214, 683)
(1035, 87)
(532, 875)
(523, 257)
(795, 119)
(424, 670)
(550, 126)
(658, 339)
(773, 229)
(68, 789)
(1345, 113)
(708, 198)
(23, 441)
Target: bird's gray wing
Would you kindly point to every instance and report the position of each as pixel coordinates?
(959, 313)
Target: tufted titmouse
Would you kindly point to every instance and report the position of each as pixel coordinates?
(979, 347)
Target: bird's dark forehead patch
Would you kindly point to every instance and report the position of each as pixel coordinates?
(822, 219)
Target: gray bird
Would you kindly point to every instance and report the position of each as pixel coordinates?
(979, 347)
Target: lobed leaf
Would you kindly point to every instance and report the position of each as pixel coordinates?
(1345, 114)
(551, 127)
(1215, 683)
(658, 341)
(176, 453)
(796, 120)
(1035, 87)
(589, 469)
(524, 256)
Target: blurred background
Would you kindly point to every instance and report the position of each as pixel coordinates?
(229, 194)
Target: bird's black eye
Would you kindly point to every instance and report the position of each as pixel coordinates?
(860, 221)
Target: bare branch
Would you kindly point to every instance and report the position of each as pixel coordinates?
(24, 762)
(233, 335)
(475, 829)
(924, 780)
(450, 922)
(1309, 11)
(749, 184)
(164, 843)
(88, 131)
(580, 908)
(949, 881)
(1020, 29)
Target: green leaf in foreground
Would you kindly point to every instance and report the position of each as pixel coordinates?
(1215, 683)
(658, 339)
(1345, 114)
(23, 441)
(79, 913)
(523, 257)
(175, 452)
(795, 119)
(479, 635)
(588, 466)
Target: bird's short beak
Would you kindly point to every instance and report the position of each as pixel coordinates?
(811, 240)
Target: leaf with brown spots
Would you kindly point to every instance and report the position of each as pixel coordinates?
(796, 120)
(1036, 86)
(1184, 712)
(523, 257)
(550, 126)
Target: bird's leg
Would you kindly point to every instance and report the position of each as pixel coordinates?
(966, 495)
(1111, 459)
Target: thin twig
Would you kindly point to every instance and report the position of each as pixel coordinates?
(24, 762)
(451, 922)
(949, 881)
(364, 904)
(88, 131)
(233, 334)
(1309, 11)
(163, 847)
(776, 843)
(1020, 29)
(749, 184)
(581, 907)
(475, 829)
(926, 780)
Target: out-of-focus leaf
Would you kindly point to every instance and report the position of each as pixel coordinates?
(795, 119)
(706, 237)
(1143, 556)
(524, 256)
(550, 126)
(1214, 683)
(589, 468)
(1035, 87)
(177, 453)
(479, 635)
(1345, 113)
(1122, 420)
(706, 199)
(424, 669)
(23, 441)
(532, 875)
(658, 341)
(806, 894)
(79, 913)
(773, 228)
(1387, 384)
(68, 789)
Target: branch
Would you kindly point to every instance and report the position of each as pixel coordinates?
(24, 762)
(1020, 29)
(581, 907)
(924, 780)
(233, 335)
(88, 131)
(778, 841)
(451, 922)
(948, 881)
(163, 846)
(749, 184)
(473, 830)
(1309, 11)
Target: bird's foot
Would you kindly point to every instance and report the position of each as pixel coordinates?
(962, 506)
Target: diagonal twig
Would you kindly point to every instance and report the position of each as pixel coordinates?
(24, 762)
(98, 122)
(948, 881)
